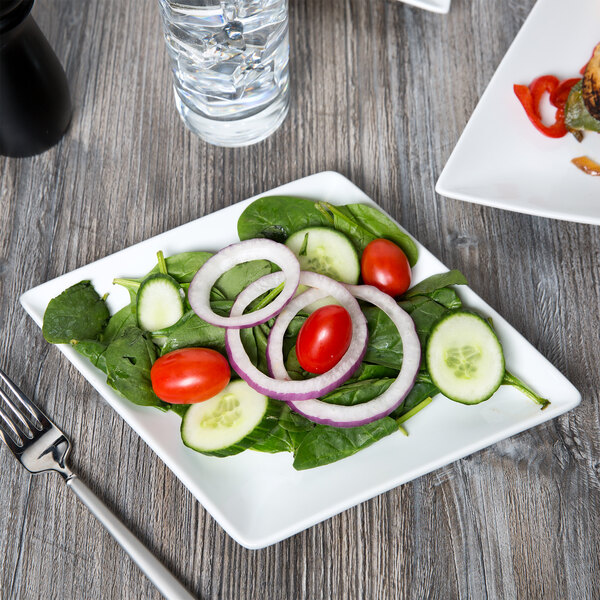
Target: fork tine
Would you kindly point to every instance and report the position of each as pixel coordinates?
(10, 443)
(31, 408)
(11, 426)
(25, 426)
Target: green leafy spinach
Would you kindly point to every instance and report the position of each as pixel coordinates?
(78, 313)
(129, 358)
(364, 223)
(277, 217)
(324, 444)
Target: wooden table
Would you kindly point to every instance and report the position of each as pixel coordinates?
(381, 92)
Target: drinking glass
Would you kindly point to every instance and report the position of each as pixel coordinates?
(230, 65)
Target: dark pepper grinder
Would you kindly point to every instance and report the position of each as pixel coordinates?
(35, 104)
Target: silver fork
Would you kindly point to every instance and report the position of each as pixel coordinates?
(41, 446)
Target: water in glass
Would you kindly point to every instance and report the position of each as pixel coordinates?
(230, 63)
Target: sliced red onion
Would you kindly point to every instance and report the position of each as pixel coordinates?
(381, 406)
(221, 262)
(283, 388)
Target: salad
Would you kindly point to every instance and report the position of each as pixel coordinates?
(273, 344)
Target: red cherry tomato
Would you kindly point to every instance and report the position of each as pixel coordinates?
(385, 266)
(189, 375)
(324, 338)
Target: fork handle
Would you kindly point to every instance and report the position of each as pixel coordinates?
(158, 574)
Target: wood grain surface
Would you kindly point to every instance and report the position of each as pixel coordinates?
(381, 92)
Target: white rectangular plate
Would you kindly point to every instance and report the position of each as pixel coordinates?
(501, 160)
(437, 6)
(259, 499)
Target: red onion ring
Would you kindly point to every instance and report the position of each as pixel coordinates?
(221, 262)
(284, 388)
(381, 406)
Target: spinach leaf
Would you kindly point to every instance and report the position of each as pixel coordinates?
(343, 220)
(78, 313)
(191, 330)
(182, 267)
(447, 297)
(129, 359)
(249, 343)
(231, 283)
(292, 366)
(367, 371)
(435, 283)
(293, 422)
(324, 444)
(254, 340)
(276, 233)
(277, 217)
(222, 307)
(126, 317)
(179, 409)
(297, 428)
(277, 441)
(358, 392)
(411, 305)
(93, 350)
(132, 286)
(385, 345)
(380, 226)
(425, 312)
(288, 434)
(420, 391)
(289, 338)
(295, 325)
(260, 339)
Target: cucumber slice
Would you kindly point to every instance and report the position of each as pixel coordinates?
(230, 422)
(159, 302)
(464, 358)
(326, 251)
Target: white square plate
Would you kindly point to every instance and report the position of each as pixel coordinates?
(501, 160)
(437, 6)
(259, 499)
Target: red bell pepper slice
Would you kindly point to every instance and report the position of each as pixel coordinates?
(538, 87)
(530, 98)
(559, 96)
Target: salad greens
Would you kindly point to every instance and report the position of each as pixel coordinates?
(363, 224)
(77, 313)
(437, 283)
(324, 444)
(125, 353)
(128, 360)
(277, 217)
(191, 330)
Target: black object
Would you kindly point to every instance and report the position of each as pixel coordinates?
(35, 104)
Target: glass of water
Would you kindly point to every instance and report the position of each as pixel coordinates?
(230, 64)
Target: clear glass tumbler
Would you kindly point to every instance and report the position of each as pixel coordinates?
(230, 63)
